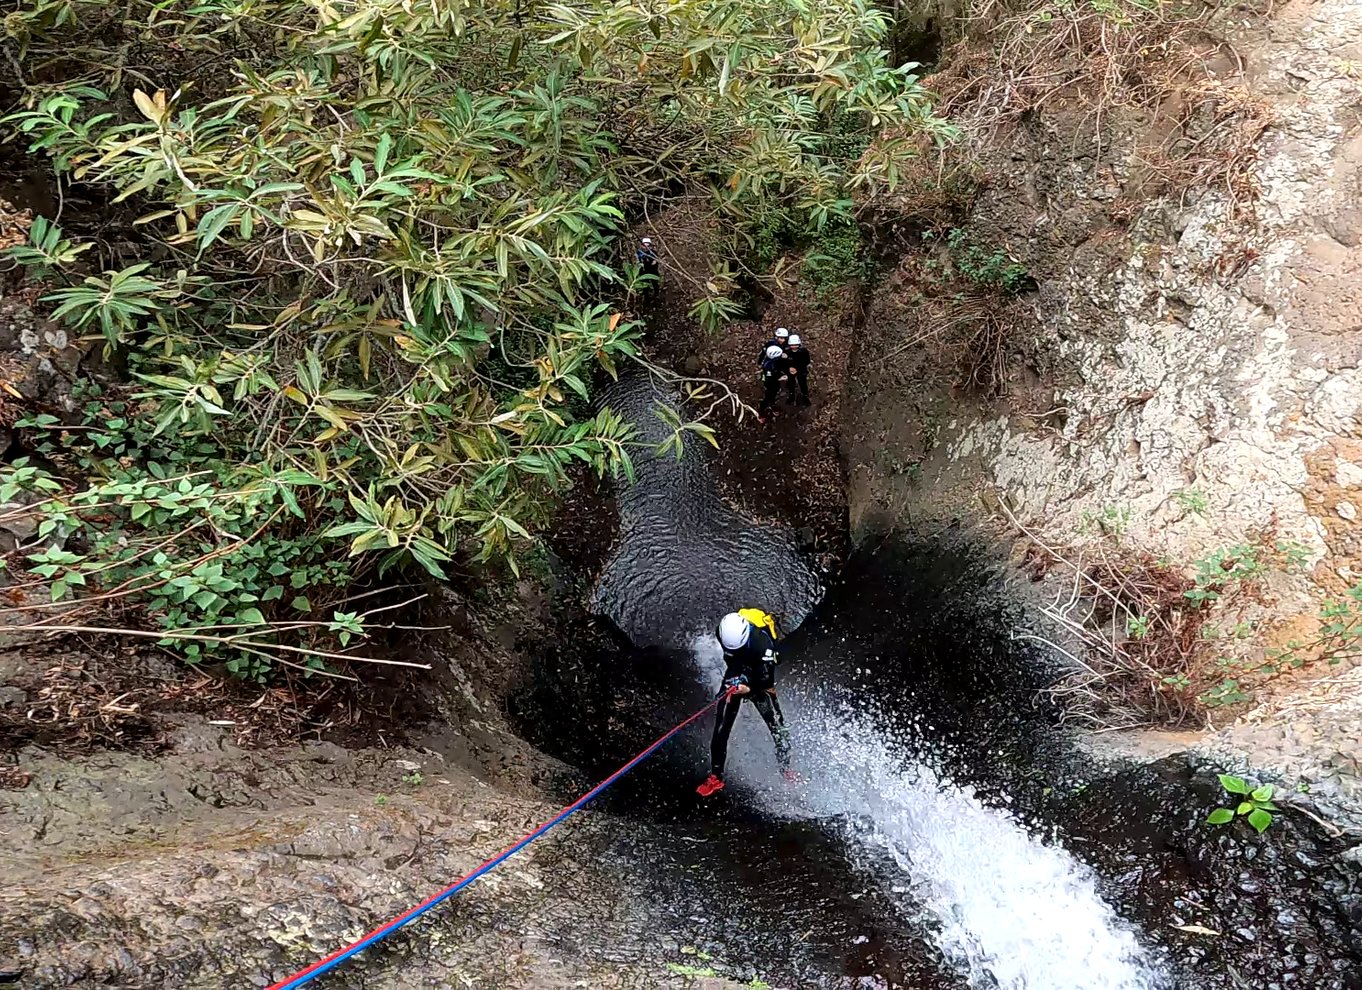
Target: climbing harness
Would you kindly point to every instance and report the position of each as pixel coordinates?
(378, 934)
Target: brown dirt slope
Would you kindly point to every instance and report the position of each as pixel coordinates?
(791, 468)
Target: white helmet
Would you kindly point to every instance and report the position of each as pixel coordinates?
(794, 340)
(773, 352)
(781, 333)
(647, 240)
(734, 631)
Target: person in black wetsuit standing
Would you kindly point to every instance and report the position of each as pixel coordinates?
(749, 641)
(646, 256)
(797, 363)
(773, 372)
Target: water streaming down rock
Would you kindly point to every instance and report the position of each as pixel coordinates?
(684, 558)
(1006, 911)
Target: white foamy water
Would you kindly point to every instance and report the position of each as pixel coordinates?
(1008, 912)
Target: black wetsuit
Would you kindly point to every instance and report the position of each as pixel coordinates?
(772, 374)
(799, 380)
(755, 666)
(647, 261)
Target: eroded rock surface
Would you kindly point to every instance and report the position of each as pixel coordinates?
(1200, 347)
(214, 867)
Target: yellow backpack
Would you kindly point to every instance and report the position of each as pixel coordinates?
(760, 619)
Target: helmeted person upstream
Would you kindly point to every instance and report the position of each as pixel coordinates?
(748, 637)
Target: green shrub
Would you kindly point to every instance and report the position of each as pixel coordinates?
(1255, 804)
(838, 256)
(376, 248)
(988, 269)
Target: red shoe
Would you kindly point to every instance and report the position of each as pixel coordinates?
(710, 787)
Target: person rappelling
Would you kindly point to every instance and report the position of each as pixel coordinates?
(748, 637)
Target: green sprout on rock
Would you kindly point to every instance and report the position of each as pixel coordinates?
(1255, 803)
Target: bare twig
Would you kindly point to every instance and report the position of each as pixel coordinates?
(233, 642)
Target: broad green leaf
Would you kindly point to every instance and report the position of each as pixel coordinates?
(214, 222)
(1220, 816)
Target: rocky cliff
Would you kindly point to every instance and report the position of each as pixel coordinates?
(1129, 344)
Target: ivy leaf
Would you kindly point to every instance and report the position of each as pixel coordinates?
(1220, 816)
(1260, 820)
(302, 604)
(1235, 785)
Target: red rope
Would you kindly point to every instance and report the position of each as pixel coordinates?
(378, 934)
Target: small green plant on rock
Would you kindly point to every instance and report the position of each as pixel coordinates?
(988, 269)
(1340, 634)
(1294, 555)
(1192, 500)
(1225, 567)
(1137, 626)
(1255, 804)
(1227, 692)
(1112, 520)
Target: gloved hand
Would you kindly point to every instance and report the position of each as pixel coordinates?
(738, 685)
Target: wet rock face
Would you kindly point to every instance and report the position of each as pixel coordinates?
(213, 868)
(1198, 342)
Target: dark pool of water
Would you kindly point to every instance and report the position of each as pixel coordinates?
(672, 521)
